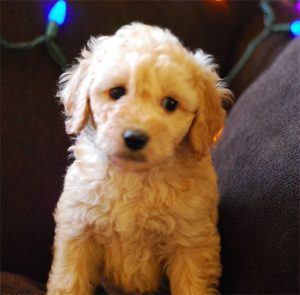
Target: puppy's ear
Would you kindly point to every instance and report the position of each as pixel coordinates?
(210, 116)
(73, 93)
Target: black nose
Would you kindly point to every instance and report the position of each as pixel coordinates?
(135, 139)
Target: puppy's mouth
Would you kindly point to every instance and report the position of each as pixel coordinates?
(130, 162)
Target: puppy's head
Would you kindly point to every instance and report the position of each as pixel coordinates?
(144, 94)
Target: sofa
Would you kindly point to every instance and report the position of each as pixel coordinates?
(257, 157)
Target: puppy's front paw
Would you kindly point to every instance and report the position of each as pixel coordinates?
(57, 292)
(67, 292)
(70, 290)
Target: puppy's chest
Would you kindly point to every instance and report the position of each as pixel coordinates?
(136, 220)
(136, 210)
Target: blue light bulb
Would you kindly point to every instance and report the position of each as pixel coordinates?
(295, 28)
(57, 13)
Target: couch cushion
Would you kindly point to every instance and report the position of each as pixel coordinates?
(12, 284)
(257, 160)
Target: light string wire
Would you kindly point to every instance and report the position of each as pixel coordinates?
(269, 26)
(47, 38)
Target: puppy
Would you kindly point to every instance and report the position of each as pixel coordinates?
(140, 199)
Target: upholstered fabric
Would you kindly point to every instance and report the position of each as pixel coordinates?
(258, 164)
(12, 284)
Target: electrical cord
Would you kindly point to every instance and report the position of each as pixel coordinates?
(269, 26)
(52, 48)
(56, 17)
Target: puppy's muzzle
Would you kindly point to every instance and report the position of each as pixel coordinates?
(135, 139)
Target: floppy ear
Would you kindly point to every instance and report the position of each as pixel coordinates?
(73, 93)
(210, 116)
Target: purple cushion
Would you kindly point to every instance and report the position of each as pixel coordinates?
(257, 160)
(12, 284)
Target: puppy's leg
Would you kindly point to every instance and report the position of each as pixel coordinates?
(75, 268)
(195, 271)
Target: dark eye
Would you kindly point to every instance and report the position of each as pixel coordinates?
(117, 92)
(169, 104)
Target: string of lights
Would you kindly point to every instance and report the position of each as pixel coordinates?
(56, 18)
(269, 27)
(57, 14)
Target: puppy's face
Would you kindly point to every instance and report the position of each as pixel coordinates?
(145, 94)
(143, 106)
